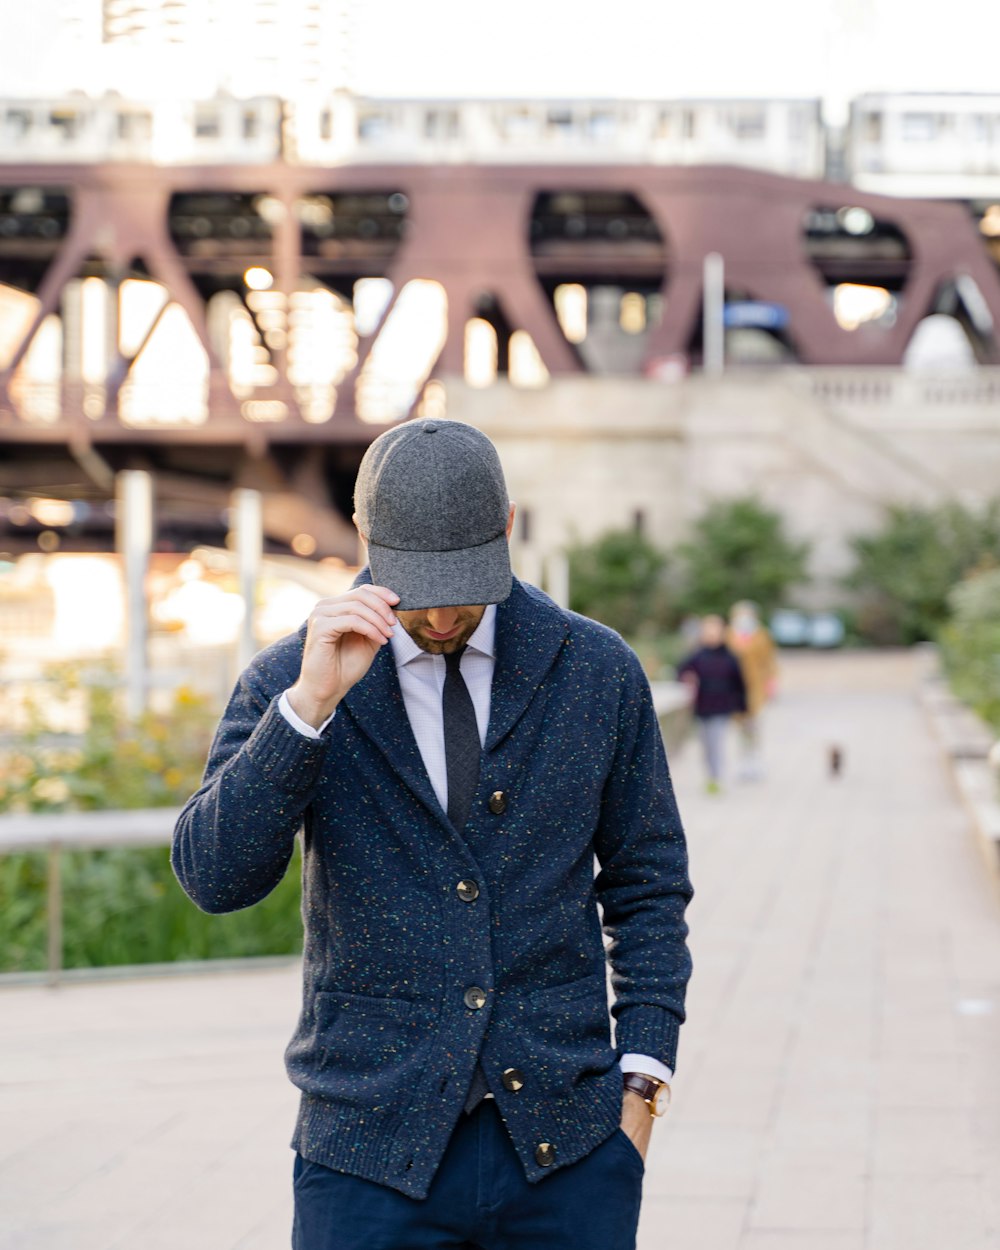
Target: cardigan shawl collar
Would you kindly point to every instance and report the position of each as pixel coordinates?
(530, 631)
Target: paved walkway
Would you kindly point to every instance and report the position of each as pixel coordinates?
(839, 1079)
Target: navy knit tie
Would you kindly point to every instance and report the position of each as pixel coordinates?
(461, 740)
(461, 753)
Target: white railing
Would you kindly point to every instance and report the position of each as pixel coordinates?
(78, 831)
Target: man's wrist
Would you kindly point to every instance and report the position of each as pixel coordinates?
(314, 714)
(302, 724)
(646, 1065)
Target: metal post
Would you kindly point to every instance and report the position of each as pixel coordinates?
(557, 577)
(713, 332)
(134, 540)
(54, 913)
(247, 528)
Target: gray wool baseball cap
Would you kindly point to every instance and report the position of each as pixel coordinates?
(431, 499)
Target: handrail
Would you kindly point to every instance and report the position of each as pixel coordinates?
(54, 832)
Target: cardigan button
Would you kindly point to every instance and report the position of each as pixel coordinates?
(498, 803)
(475, 997)
(512, 1079)
(545, 1154)
(467, 891)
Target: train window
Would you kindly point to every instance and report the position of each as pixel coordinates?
(64, 122)
(441, 124)
(873, 127)
(689, 123)
(748, 123)
(207, 124)
(921, 127)
(19, 120)
(373, 127)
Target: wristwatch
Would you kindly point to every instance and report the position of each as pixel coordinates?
(655, 1094)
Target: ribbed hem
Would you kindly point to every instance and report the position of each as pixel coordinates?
(648, 1030)
(390, 1147)
(285, 757)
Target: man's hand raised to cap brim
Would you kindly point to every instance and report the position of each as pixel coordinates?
(343, 637)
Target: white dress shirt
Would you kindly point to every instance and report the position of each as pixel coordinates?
(421, 679)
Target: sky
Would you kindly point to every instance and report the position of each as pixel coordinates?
(593, 48)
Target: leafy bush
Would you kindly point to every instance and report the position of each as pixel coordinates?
(739, 550)
(126, 907)
(905, 572)
(619, 580)
(970, 643)
(156, 762)
(122, 905)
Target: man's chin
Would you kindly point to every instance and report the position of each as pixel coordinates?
(442, 646)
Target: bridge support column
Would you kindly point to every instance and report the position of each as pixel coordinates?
(134, 541)
(247, 537)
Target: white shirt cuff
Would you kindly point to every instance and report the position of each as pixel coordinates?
(288, 712)
(647, 1066)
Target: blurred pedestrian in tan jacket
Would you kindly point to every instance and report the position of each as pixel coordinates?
(750, 641)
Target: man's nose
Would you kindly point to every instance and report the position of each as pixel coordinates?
(441, 620)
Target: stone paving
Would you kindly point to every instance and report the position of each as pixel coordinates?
(838, 1085)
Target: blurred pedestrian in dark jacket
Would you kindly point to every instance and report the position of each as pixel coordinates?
(720, 692)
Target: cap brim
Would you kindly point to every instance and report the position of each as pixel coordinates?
(444, 579)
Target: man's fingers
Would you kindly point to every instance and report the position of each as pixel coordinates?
(355, 623)
(379, 597)
(376, 597)
(388, 595)
(332, 611)
(338, 620)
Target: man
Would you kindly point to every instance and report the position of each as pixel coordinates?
(455, 769)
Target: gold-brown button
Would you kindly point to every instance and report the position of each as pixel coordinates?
(467, 891)
(545, 1154)
(512, 1079)
(498, 802)
(475, 997)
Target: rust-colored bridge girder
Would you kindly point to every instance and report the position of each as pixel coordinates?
(468, 229)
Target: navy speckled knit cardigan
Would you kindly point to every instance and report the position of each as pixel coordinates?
(385, 1045)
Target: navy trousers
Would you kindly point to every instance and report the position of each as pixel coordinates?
(478, 1200)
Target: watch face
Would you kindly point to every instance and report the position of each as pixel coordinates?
(661, 1100)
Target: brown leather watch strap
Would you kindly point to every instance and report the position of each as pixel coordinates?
(644, 1086)
(655, 1094)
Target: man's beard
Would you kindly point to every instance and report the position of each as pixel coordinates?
(444, 646)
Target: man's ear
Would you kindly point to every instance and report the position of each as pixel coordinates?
(510, 519)
(364, 537)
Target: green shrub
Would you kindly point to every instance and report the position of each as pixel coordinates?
(121, 906)
(905, 572)
(125, 906)
(619, 580)
(156, 762)
(970, 643)
(739, 550)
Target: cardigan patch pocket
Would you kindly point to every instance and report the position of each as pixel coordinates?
(571, 1026)
(372, 1048)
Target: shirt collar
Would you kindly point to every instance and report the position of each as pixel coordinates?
(483, 639)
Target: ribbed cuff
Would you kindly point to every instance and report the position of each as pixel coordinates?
(286, 758)
(647, 1030)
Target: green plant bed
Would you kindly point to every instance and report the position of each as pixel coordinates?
(970, 643)
(126, 907)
